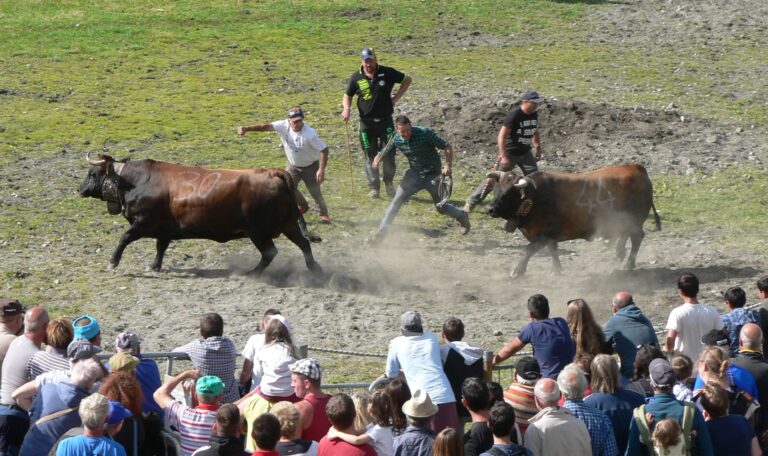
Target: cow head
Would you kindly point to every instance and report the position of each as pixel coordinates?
(97, 172)
(510, 201)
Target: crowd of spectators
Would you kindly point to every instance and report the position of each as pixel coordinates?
(588, 389)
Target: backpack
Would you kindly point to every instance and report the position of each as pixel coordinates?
(741, 403)
(689, 410)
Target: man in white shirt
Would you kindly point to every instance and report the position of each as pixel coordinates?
(307, 156)
(688, 322)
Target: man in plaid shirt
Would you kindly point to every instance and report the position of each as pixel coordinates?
(419, 145)
(214, 354)
(573, 384)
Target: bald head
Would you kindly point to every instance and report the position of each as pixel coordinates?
(36, 323)
(547, 393)
(622, 299)
(751, 337)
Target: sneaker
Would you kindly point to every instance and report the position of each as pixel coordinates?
(468, 207)
(325, 219)
(374, 193)
(464, 222)
(390, 188)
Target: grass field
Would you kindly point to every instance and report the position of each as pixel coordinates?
(172, 80)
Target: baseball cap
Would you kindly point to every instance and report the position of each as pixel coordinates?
(117, 412)
(88, 331)
(716, 338)
(11, 307)
(210, 385)
(126, 341)
(410, 323)
(307, 367)
(296, 112)
(123, 362)
(661, 373)
(81, 349)
(532, 96)
(368, 53)
(528, 368)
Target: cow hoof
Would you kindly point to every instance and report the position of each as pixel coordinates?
(314, 238)
(516, 274)
(111, 267)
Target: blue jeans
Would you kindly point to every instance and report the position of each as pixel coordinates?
(411, 184)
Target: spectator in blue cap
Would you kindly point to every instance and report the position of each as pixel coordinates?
(87, 327)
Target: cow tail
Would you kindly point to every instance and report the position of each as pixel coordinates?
(656, 217)
(295, 212)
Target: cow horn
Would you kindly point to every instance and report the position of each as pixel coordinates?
(522, 183)
(92, 161)
(495, 175)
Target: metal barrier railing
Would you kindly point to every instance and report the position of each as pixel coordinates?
(304, 352)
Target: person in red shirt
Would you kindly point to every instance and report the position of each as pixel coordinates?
(341, 412)
(306, 375)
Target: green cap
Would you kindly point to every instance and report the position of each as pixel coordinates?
(210, 385)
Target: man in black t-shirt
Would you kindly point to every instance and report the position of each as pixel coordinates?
(519, 132)
(373, 84)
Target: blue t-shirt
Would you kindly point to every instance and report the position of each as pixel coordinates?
(731, 435)
(738, 376)
(89, 446)
(553, 347)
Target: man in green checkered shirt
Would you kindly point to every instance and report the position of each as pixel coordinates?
(419, 145)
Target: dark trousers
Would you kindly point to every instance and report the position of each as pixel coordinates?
(373, 137)
(14, 424)
(308, 174)
(526, 162)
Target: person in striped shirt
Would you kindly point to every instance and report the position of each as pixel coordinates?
(520, 393)
(195, 424)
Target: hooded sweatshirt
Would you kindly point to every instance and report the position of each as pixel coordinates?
(51, 399)
(461, 361)
(627, 329)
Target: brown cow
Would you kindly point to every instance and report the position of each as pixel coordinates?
(166, 201)
(550, 207)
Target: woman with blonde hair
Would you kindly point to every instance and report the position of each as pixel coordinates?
(713, 370)
(290, 431)
(585, 332)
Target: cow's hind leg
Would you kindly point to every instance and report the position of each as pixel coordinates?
(268, 253)
(556, 266)
(637, 239)
(530, 251)
(621, 247)
(297, 237)
(128, 237)
(161, 246)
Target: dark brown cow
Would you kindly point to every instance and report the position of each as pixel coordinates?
(550, 207)
(166, 201)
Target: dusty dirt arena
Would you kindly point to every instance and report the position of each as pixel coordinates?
(356, 305)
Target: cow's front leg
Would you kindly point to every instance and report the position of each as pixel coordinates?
(161, 246)
(557, 268)
(128, 237)
(530, 251)
(268, 253)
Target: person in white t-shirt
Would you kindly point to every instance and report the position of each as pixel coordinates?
(248, 378)
(688, 322)
(307, 156)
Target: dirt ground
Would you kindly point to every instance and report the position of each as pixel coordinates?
(356, 304)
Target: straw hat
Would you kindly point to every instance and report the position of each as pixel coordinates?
(419, 405)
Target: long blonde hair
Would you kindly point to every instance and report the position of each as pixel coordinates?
(448, 443)
(716, 362)
(586, 333)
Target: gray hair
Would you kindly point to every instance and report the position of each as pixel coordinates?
(605, 374)
(572, 381)
(94, 410)
(749, 342)
(85, 373)
(34, 319)
(547, 397)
